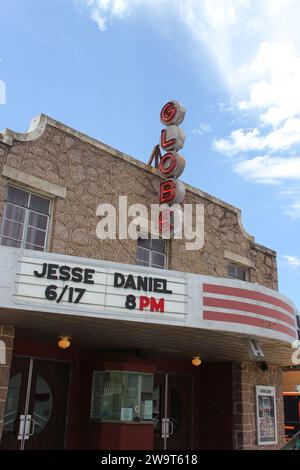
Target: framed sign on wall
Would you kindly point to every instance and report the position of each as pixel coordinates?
(266, 415)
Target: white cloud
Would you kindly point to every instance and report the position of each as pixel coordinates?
(275, 89)
(231, 30)
(255, 46)
(293, 210)
(241, 140)
(269, 169)
(203, 128)
(292, 261)
(102, 11)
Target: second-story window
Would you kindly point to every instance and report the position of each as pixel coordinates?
(237, 271)
(151, 253)
(25, 220)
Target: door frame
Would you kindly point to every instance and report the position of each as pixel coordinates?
(166, 375)
(32, 358)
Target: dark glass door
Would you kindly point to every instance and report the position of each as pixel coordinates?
(36, 405)
(172, 412)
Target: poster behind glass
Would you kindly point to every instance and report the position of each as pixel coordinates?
(266, 415)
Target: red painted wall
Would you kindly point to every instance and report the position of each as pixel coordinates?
(215, 406)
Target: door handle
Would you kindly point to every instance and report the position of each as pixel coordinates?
(164, 427)
(27, 427)
(171, 428)
(21, 427)
(167, 427)
(31, 433)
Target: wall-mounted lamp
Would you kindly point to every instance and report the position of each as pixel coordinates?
(196, 361)
(255, 352)
(64, 342)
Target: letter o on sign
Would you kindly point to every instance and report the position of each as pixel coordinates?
(172, 164)
(168, 163)
(172, 113)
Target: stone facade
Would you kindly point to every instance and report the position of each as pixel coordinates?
(93, 173)
(245, 377)
(7, 336)
(90, 173)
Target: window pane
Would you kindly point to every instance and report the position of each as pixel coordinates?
(42, 407)
(157, 259)
(12, 403)
(231, 270)
(111, 403)
(18, 196)
(9, 242)
(14, 213)
(142, 255)
(241, 273)
(39, 204)
(158, 245)
(29, 246)
(131, 397)
(37, 220)
(142, 263)
(145, 243)
(147, 397)
(35, 236)
(12, 229)
(122, 396)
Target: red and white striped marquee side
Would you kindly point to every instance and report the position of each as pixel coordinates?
(248, 306)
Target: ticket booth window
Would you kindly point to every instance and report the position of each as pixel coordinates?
(122, 396)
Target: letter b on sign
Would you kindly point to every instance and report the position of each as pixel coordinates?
(171, 191)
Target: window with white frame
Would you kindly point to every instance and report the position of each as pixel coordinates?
(25, 220)
(122, 396)
(151, 253)
(236, 271)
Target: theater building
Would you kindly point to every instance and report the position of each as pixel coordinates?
(136, 312)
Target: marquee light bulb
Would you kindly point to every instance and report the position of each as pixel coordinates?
(196, 361)
(64, 342)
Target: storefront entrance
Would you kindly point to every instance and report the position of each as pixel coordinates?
(35, 414)
(172, 411)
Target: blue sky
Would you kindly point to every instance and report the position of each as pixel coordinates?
(106, 67)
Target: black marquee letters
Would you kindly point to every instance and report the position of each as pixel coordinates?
(145, 283)
(66, 273)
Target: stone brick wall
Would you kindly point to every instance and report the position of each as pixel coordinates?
(7, 335)
(245, 377)
(93, 175)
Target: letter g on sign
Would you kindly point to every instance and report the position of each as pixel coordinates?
(172, 113)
